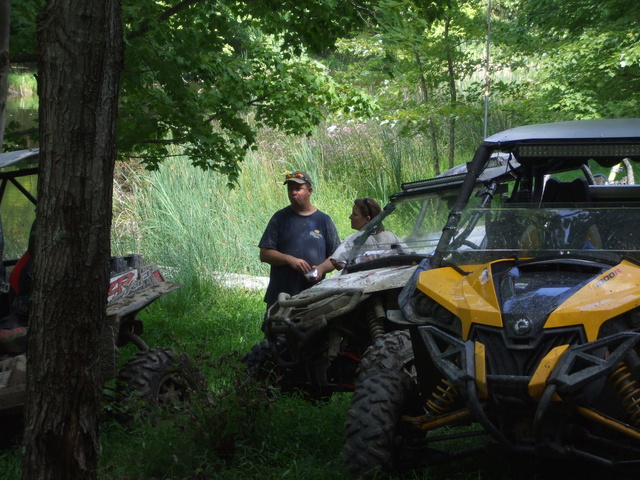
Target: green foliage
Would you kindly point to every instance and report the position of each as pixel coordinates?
(10, 463)
(23, 103)
(207, 76)
(196, 439)
(587, 55)
(313, 24)
(418, 54)
(23, 30)
(195, 71)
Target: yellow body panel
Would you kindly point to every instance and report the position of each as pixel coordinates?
(472, 297)
(617, 291)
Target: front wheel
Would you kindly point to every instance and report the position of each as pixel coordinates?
(262, 364)
(386, 389)
(392, 350)
(160, 376)
(372, 427)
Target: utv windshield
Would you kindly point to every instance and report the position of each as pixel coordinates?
(591, 210)
(487, 234)
(409, 226)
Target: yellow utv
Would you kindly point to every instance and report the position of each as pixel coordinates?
(522, 329)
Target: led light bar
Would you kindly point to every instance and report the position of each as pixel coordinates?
(585, 150)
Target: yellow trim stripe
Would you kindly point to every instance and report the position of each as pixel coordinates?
(538, 381)
(481, 370)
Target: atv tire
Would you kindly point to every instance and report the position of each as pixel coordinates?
(386, 389)
(384, 353)
(371, 429)
(256, 359)
(160, 376)
(261, 364)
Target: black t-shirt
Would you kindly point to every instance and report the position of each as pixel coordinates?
(312, 237)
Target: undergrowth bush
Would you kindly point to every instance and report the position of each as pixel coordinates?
(194, 439)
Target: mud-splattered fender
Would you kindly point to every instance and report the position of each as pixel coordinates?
(369, 281)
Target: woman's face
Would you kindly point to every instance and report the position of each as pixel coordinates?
(358, 220)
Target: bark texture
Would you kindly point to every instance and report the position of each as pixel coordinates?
(5, 14)
(79, 64)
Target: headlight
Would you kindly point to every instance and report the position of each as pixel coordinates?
(420, 309)
(423, 310)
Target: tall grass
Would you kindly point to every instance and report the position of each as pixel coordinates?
(188, 220)
(197, 229)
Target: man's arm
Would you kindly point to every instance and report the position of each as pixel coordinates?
(337, 265)
(275, 258)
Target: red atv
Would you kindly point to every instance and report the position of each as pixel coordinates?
(158, 375)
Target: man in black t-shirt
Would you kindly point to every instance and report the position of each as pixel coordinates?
(298, 239)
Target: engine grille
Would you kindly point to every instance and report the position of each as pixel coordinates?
(505, 359)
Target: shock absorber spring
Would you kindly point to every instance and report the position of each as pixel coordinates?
(375, 319)
(628, 392)
(442, 398)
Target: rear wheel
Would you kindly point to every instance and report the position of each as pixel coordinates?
(262, 364)
(160, 376)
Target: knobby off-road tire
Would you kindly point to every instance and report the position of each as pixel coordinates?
(262, 365)
(160, 376)
(258, 359)
(384, 353)
(372, 423)
(385, 391)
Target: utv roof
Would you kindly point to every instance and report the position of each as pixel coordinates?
(27, 156)
(572, 131)
(568, 144)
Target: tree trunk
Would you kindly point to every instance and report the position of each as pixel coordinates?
(432, 129)
(453, 94)
(79, 64)
(5, 12)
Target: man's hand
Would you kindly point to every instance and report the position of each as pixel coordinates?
(276, 258)
(298, 264)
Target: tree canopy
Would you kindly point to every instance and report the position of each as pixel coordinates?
(587, 52)
(201, 77)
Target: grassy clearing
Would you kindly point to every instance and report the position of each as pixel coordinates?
(187, 221)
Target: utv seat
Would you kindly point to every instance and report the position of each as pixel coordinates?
(576, 191)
